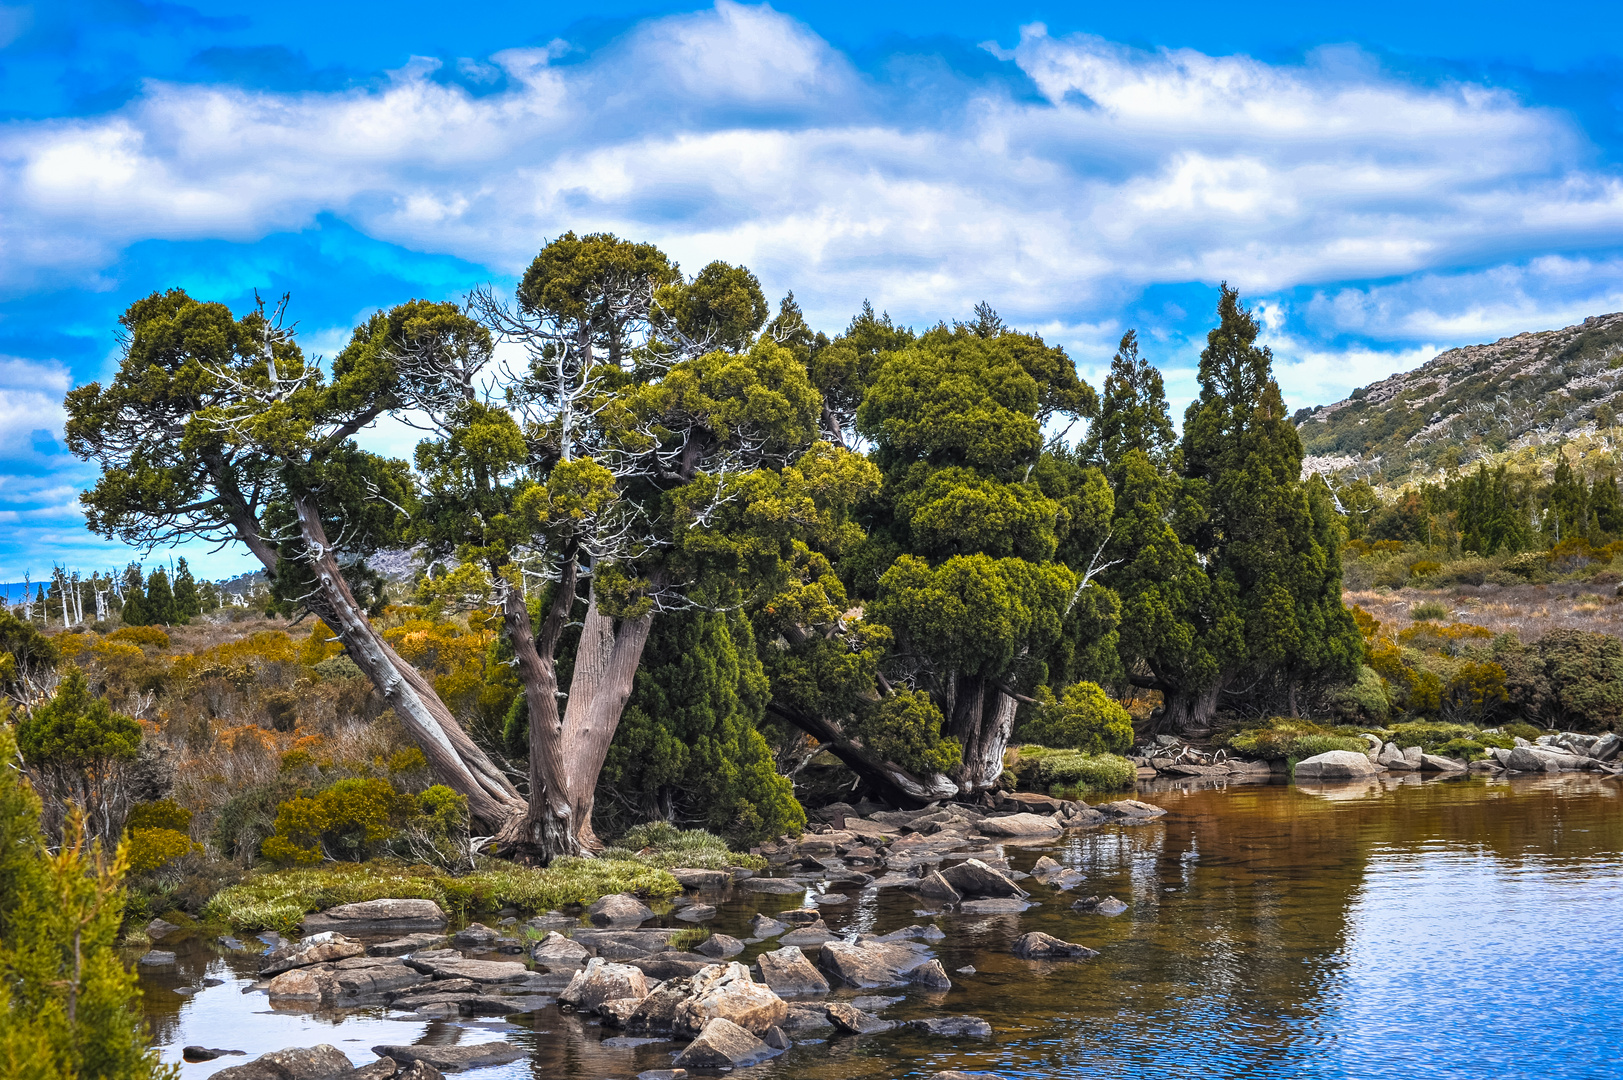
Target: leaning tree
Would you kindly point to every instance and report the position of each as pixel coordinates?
(578, 477)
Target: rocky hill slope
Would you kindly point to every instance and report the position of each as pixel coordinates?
(1526, 394)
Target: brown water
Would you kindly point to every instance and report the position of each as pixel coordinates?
(1466, 928)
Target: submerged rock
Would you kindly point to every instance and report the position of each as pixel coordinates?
(453, 1058)
(396, 916)
(955, 1027)
(618, 909)
(1040, 946)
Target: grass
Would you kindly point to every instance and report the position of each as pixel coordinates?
(1429, 609)
(664, 845)
(1070, 772)
(1284, 738)
(279, 900)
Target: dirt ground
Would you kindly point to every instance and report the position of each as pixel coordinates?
(1528, 611)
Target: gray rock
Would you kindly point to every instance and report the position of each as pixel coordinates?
(935, 886)
(789, 973)
(703, 880)
(618, 909)
(625, 944)
(854, 1021)
(602, 981)
(763, 927)
(474, 934)
(1541, 759)
(1392, 758)
(1039, 946)
(395, 916)
(158, 929)
(697, 913)
(806, 916)
(322, 949)
(453, 1058)
(776, 1039)
(157, 958)
(208, 1053)
(722, 1044)
(663, 1074)
(552, 920)
(1110, 906)
(1606, 747)
(671, 965)
(872, 964)
(1008, 906)
(382, 1069)
(974, 880)
(295, 1063)
(776, 886)
(955, 1027)
(1438, 763)
(1130, 808)
(807, 936)
(806, 1018)
(931, 976)
(1335, 765)
(727, 991)
(875, 1002)
(402, 945)
(1413, 755)
(480, 971)
(555, 951)
(720, 947)
(1021, 825)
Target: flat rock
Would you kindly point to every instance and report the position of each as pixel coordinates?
(1438, 763)
(671, 965)
(1005, 906)
(788, 973)
(454, 1058)
(295, 1063)
(806, 936)
(209, 1053)
(1336, 765)
(1021, 825)
(626, 944)
(776, 886)
(763, 926)
(955, 1027)
(702, 880)
(304, 955)
(935, 886)
(854, 1021)
(723, 1045)
(872, 964)
(157, 958)
(1039, 946)
(697, 913)
(1541, 759)
(480, 971)
(158, 929)
(475, 934)
(806, 1018)
(1132, 808)
(930, 975)
(378, 915)
(402, 945)
(720, 947)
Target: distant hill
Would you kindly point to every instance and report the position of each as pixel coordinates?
(1519, 397)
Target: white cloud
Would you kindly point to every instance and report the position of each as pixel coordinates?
(737, 133)
(30, 401)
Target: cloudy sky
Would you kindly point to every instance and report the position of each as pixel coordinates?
(1382, 182)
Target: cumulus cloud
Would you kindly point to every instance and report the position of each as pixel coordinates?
(737, 132)
(31, 413)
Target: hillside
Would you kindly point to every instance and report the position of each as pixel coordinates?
(1521, 395)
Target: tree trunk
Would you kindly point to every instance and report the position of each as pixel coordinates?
(888, 780)
(1186, 710)
(454, 758)
(984, 733)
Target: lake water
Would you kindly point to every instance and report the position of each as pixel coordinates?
(1462, 928)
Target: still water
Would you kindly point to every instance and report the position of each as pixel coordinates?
(1465, 928)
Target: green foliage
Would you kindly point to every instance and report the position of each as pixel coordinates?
(26, 656)
(163, 814)
(1284, 738)
(1429, 609)
(1083, 718)
(75, 747)
(689, 743)
(905, 729)
(1070, 772)
(68, 1006)
(1366, 699)
(661, 844)
(279, 900)
(152, 848)
(348, 821)
(1585, 672)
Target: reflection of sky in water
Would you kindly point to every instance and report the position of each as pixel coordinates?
(1461, 964)
(1446, 929)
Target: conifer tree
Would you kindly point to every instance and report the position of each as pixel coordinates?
(135, 603)
(160, 609)
(188, 603)
(1271, 542)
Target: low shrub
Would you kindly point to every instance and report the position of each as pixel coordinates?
(1429, 610)
(1284, 738)
(151, 849)
(662, 844)
(1082, 718)
(1041, 768)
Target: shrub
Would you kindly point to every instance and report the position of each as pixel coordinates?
(1073, 771)
(163, 814)
(662, 844)
(1429, 609)
(1083, 718)
(141, 635)
(1366, 699)
(1426, 568)
(905, 728)
(248, 818)
(76, 748)
(1283, 738)
(150, 849)
(348, 821)
(1585, 672)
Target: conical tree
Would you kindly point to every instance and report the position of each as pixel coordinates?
(160, 601)
(187, 601)
(1271, 542)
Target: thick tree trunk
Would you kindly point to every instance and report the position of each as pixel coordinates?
(1187, 710)
(453, 757)
(889, 781)
(982, 720)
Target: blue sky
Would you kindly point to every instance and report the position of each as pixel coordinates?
(1382, 180)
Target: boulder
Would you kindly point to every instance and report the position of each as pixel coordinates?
(931, 976)
(392, 916)
(1039, 946)
(805, 916)
(1374, 751)
(368, 978)
(1413, 755)
(764, 927)
(304, 984)
(1438, 763)
(295, 1063)
(776, 1039)
(618, 909)
(602, 981)
(697, 913)
(805, 1018)
(1606, 747)
(625, 944)
(788, 973)
(618, 1013)
(555, 951)
(1033, 801)
(854, 1021)
(479, 971)
(953, 1027)
(1021, 825)
(417, 1070)
(723, 1045)
(671, 965)
(1392, 758)
(1335, 765)
(1108, 906)
(936, 887)
(158, 929)
(806, 936)
(1541, 759)
(473, 935)
(381, 1069)
(727, 991)
(156, 958)
(720, 947)
(1045, 868)
(326, 950)
(195, 1054)
(776, 886)
(872, 964)
(453, 1058)
(702, 880)
(974, 880)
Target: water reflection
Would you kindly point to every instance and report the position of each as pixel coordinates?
(1466, 928)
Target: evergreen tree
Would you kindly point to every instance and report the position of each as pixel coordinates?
(135, 604)
(68, 1006)
(1271, 542)
(188, 603)
(689, 746)
(1132, 412)
(160, 601)
(76, 748)
(1606, 507)
(1568, 514)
